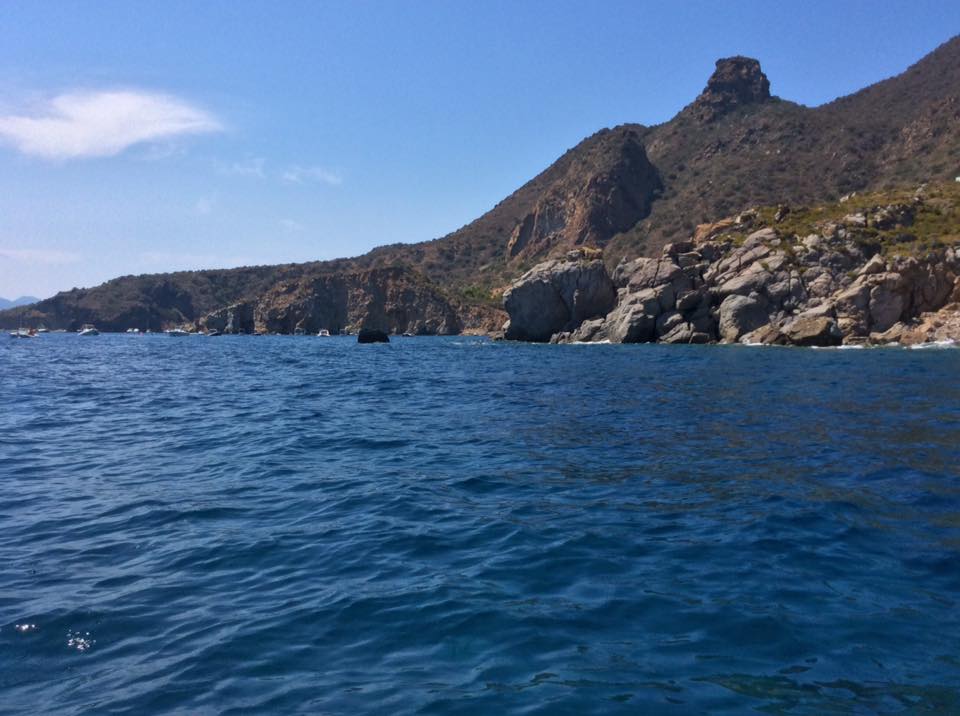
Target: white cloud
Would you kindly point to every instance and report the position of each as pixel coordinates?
(101, 124)
(40, 256)
(302, 175)
(291, 225)
(247, 168)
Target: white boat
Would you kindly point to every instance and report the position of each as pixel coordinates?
(133, 330)
(22, 332)
(177, 333)
(42, 329)
(324, 333)
(88, 329)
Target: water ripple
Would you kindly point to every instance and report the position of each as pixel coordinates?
(295, 525)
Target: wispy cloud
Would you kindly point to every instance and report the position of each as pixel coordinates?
(291, 225)
(40, 256)
(302, 175)
(254, 168)
(101, 124)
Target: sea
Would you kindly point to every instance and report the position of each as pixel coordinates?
(452, 525)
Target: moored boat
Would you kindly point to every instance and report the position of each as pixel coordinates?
(177, 333)
(324, 333)
(88, 329)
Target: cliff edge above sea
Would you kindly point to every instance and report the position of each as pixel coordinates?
(876, 268)
(622, 194)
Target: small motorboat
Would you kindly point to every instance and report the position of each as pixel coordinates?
(212, 333)
(88, 329)
(407, 334)
(133, 330)
(42, 329)
(22, 332)
(324, 333)
(177, 333)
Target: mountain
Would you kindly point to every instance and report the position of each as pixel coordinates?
(630, 190)
(22, 301)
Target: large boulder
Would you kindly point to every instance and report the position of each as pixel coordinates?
(740, 315)
(557, 296)
(811, 331)
(634, 320)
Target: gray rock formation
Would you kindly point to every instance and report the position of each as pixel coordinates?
(740, 315)
(820, 290)
(558, 296)
(237, 318)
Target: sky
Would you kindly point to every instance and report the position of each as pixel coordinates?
(138, 137)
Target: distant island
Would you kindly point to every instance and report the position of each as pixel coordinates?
(775, 222)
(22, 301)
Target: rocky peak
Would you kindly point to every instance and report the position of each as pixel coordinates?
(736, 82)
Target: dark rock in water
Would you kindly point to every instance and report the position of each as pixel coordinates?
(372, 335)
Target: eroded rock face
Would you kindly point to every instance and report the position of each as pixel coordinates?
(590, 203)
(820, 290)
(737, 81)
(237, 318)
(558, 296)
(392, 300)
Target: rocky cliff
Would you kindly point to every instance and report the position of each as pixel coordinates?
(629, 191)
(877, 268)
(632, 189)
(282, 300)
(391, 300)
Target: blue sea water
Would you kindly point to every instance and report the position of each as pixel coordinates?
(456, 526)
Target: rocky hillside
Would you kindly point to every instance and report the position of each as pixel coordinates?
(263, 299)
(874, 268)
(632, 189)
(393, 300)
(628, 191)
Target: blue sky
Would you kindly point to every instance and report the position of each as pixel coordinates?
(140, 137)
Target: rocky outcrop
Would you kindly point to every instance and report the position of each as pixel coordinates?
(390, 300)
(738, 281)
(629, 189)
(236, 318)
(372, 335)
(809, 331)
(597, 197)
(557, 296)
(736, 82)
